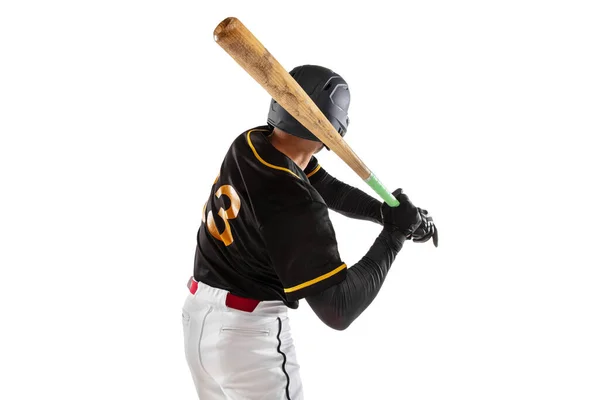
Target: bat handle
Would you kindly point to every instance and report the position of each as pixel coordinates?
(378, 187)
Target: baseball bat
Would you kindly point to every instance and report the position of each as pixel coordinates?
(256, 60)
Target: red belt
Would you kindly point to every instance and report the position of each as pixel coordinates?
(231, 300)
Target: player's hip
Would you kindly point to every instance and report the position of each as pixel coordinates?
(224, 331)
(241, 351)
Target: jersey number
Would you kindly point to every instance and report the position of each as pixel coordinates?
(231, 213)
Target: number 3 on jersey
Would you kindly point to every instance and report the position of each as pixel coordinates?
(231, 213)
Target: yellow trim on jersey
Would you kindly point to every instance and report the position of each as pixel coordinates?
(314, 171)
(260, 159)
(316, 280)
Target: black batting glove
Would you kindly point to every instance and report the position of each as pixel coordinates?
(403, 220)
(426, 230)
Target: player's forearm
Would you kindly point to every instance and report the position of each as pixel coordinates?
(339, 305)
(348, 200)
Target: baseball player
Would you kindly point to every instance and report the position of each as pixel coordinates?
(266, 242)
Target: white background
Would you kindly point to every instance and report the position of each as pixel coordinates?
(114, 118)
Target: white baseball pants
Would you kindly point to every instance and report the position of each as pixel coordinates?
(235, 355)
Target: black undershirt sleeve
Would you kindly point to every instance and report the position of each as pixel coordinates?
(341, 197)
(339, 305)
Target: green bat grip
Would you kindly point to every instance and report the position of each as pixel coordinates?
(378, 187)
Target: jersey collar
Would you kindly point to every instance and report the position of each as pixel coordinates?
(268, 155)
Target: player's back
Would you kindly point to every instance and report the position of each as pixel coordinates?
(256, 183)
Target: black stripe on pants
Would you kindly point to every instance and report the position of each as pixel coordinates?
(287, 386)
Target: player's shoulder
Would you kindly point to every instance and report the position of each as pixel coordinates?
(268, 174)
(242, 140)
(242, 147)
(253, 149)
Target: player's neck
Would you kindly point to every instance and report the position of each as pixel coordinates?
(297, 149)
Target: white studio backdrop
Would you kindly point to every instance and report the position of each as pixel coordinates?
(114, 118)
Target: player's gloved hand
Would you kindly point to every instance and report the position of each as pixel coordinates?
(401, 221)
(426, 230)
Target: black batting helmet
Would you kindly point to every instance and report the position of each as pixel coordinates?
(330, 93)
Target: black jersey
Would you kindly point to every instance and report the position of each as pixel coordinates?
(266, 232)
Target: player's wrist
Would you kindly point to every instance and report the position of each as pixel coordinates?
(394, 239)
